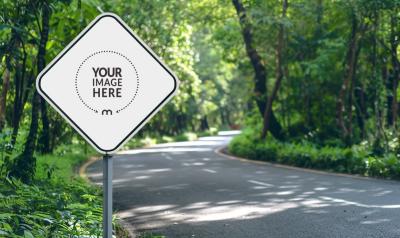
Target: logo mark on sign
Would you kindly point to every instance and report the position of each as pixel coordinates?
(109, 79)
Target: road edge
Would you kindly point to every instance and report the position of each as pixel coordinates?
(84, 166)
(82, 174)
(220, 151)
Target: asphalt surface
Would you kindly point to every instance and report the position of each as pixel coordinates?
(187, 190)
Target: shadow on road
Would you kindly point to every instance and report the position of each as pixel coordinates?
(185, 189)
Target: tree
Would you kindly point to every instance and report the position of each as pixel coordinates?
(280, 48)
(345, 98)
(25, 164)
(260, 88)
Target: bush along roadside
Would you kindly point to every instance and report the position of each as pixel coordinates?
(354, 160)
(56, 204)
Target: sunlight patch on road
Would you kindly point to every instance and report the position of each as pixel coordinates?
(149, 171)
(229, 202)
(188, 144)
(193, 164)
(229, 133)
(169, 187)
(378, 221)
(141, 177)
(260, 183)
(167, 150)
(236, 212)
(166, 156)
(154, 217)
(288, 186)
(157, 170)
(198, 205)
(150, 217)
(259, 187)
(320, 189)
(314, 203)
(155, 208)
(210, 171)
(350, 190)
(357, 204)
(383, 193)
(118, 181)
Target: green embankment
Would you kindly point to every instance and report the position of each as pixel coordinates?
(57, 204)
(354, 160)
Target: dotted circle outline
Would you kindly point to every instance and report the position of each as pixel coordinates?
(100, 52)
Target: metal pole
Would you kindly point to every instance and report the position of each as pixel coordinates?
(107, 196)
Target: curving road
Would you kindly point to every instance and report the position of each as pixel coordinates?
(187, 190)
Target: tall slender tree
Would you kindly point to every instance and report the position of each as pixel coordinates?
(25, 164)
(260, 79)
(344, 105)
(280, 53)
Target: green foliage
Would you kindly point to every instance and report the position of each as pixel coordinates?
(171, 28)
(49, 209)
(57, 204)
(60, 167)
(355, 160)
(210, 132)
(205, 49)
(188, 136)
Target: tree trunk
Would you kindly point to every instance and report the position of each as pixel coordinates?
(389, 83)
(260, 89)
(3, 98)
(31, 140)
(25, 164)
(44, 139)
(361, 111)
(345, 93)
(20, 99)
(279, 71)
(395, 77)
(204, 124)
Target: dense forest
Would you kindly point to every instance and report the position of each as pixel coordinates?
(324, 71)
(34, 32)
(314, 72)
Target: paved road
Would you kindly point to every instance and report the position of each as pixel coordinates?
(187, 190)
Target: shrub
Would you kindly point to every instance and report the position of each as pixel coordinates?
(49, 209)
(210, 132)
(57, 204)
(242, 145)
(355, 160)
(148, 141)
(187, 136)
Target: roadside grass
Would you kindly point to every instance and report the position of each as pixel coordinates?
(355, 160)
(56, 204)
(59, 167)
(59, 203)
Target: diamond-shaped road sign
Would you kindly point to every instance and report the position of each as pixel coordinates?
(107, 83)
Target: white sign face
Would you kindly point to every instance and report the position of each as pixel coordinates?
(107, 83)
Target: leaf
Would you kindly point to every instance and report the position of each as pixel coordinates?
(6, 215)
(28, 234)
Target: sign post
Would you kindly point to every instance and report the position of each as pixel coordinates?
(107, 84)
(107, 195)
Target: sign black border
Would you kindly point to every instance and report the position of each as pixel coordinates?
(148, 51)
